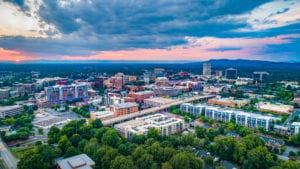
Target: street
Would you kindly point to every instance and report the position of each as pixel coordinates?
(9, 159)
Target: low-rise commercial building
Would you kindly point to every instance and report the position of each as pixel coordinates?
(81, 161)
(140, 126)
(243, 81)
(212, 89)
(124, 108)
(162, 81)
(4, 94)
(157, 101)
(8, 111)
(167, 91)
(141, 96)
(276, 108)
(102, 115)
(228, 102)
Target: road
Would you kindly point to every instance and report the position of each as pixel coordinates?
(10, 161)
(291, 116)
(152, 110)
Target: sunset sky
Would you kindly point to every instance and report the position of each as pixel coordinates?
(149, 30)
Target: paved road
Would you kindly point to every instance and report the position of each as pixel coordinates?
(291, 116)
(152, 110)
(10, 161)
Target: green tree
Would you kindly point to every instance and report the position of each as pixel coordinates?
(199, 143)
(258, 158)
(97, 123)
(166, 165)
(122, 162)
(47, 153)
(295, 139)
(138, 152)
(243, 131)
(200, 131)
(33, 161)
(126, 149)
(111, 138)
(184, 160)
(224, 147)
(87, 131)
(209, 161)
(154, 133)
(187, 139)
(53, 135)
(290, 165)
(211, 134)
(100, 132)
(109, 156)
(240, 153)
(145, 161)
(64, 144)
(72, 151)
(138, 139)
(75, 139)
(82, 144)
(41, 131)
(91, 148)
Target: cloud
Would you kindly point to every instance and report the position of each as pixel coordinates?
(77, 29)
(269, 15)
(10, 55)
(16, 22)
(202, 49)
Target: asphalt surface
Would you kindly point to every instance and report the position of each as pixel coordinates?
(10, 161)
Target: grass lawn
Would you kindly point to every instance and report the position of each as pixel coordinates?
(19, 152)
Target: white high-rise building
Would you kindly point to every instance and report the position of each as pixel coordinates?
(207, 69)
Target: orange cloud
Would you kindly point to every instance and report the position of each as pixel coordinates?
(13, 55)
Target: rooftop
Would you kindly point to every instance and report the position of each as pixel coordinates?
(6, 108)
(160, 100)
(124, 105)
(81, 161)
(144, 92)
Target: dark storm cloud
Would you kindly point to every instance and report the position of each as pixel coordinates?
(102, 25)
(137, 17)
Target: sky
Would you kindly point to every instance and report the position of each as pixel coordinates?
(150, 30)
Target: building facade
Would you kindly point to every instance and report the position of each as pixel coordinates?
(57, 94)
(206, 69)
(260, 76)
(8, 111)
(124, 108)
(141, 96)
(231, 73)
(140, 126)
(247, 119)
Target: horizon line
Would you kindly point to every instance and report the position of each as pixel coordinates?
(125, 60)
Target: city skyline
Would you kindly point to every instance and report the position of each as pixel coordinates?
(149, 30)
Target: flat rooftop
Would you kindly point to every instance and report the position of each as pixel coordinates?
(160, 100)
(7, 108)
(81, 161)
(125, 105)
